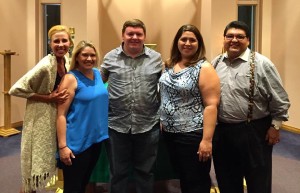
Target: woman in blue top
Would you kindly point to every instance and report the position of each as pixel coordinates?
(190, 92)
(82, 121)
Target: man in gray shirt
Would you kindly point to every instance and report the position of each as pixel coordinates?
(252, 107)
(132, 71)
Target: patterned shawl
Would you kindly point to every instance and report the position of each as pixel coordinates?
(38, 144)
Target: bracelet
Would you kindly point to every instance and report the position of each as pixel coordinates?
(63, 147)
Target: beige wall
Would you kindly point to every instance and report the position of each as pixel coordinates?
(17, 33)
(285, 44)
(162, 20)
(101, 22)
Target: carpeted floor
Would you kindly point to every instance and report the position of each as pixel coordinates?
(286, 166)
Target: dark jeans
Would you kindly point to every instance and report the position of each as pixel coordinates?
(240, 150)
(77, 176)
(132, 152)
(194, 174)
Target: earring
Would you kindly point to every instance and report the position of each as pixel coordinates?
(70, 51)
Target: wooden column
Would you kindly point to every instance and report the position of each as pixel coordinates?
(7, 130)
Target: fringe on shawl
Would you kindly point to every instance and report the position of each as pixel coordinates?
(38, 182)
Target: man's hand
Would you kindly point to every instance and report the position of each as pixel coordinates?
(273, 136)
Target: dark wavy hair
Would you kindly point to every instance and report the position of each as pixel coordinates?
(175, 53)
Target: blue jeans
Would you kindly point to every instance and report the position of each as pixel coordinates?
(132, 153)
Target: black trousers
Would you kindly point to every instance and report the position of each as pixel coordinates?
(132, 153)
(240, 150)
(193, 174)
(77, 176)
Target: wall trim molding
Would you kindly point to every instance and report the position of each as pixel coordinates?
(15, 125)
(291, 129)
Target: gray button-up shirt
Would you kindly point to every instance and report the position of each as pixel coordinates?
(133, 89)
(270, 98)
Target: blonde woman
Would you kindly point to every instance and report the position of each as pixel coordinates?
(39, 87)
(82, 121)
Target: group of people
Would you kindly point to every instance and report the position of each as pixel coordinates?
(229, 110)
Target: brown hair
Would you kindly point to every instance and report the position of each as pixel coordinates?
(175, 53)
(134, 23)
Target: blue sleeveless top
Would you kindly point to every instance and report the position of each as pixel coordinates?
(181, 108)
(87, 118)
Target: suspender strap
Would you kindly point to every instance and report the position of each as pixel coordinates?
(252, 84)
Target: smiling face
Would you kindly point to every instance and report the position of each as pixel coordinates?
(133, 38)
(235, 42)
(188, 45)
(86, 59)
(60, 44)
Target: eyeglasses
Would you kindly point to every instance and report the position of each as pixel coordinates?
(238, 37)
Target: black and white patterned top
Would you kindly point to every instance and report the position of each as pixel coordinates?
(181, 103)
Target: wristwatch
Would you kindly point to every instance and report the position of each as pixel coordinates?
(275, 127)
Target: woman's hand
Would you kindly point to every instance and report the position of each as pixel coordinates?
(54, 97)
(59, 96)
(205, 150)
(65, 155)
